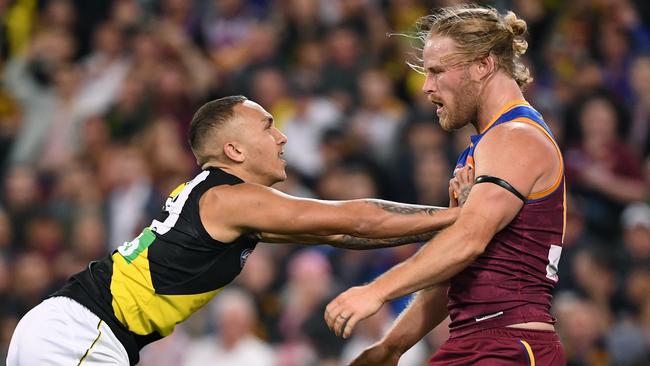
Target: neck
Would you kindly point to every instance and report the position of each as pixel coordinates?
(497, 92)
(235, 170)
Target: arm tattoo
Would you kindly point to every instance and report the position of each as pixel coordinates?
(405, 209)
(464, 193)
(344, 241)
(353, 242)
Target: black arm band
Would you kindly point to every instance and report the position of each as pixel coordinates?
(501, 183)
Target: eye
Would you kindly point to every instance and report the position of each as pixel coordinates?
(436, 72)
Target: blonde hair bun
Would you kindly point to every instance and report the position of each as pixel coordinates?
(517, 27)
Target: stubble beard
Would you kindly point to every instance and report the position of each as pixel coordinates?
(464, 107)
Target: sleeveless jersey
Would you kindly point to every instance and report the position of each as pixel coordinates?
(512, 281)
(174, 267)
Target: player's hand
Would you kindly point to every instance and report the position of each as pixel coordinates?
(347, 309)
(377, 355)
(460, 186)
(453, 196)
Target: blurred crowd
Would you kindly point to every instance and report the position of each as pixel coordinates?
(96, 97)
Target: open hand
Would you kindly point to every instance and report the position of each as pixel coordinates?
(347, 309)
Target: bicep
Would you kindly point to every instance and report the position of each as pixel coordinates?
(520, 155)
(517, 155)
(263, 209)
(489, 208)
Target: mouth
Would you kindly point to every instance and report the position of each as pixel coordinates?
(439, 107)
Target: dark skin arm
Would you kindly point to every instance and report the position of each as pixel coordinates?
(348, 241)
(459, 187)
(229, 211)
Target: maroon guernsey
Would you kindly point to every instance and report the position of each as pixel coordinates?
(512, 281)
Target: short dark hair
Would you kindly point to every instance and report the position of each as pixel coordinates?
(210, 116)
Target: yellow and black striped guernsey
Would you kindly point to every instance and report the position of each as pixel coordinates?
(147, 286)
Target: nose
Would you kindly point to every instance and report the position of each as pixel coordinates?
(429, 86)
(280, 137)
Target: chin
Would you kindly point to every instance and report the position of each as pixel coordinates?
(280, 177)
(444, 123)
(445, 127)
(452, 126)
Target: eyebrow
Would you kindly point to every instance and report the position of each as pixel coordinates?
(268, 119)
(434, 69)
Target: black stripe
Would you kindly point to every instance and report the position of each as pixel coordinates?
(92, 345)
(501, 183)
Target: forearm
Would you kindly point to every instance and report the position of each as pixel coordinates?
(347, 241)
(403, 208)
(357, 243)
(425, 312)
(393, 219)
(442, 258)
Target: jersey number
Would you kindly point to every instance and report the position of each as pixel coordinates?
(132, 249)
(553, 261)
(175, 202)
(174, 205)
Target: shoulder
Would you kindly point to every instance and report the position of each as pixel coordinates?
(237, 192)
(246, 197)
(519, 152)
(516, 128)
(520, 138)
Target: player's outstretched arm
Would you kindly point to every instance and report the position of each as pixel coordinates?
(346, 241)
(425, 312)
(513, 155)
(459, 188)
(228, 211)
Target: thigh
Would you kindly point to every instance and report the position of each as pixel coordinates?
(545, 353)
(59, 331)
(480, 352)
(492, 350)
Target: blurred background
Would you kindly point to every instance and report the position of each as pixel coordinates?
(96, 97)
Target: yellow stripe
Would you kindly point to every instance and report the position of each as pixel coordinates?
(564, 214)
(529, 349)
(510, 105)
(177, 190)
(558, 180)
(92, 345)
(137, 305)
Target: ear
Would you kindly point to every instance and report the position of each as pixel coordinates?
(234, 152)
(483, 68)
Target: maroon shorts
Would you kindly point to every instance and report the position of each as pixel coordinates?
(502, 347)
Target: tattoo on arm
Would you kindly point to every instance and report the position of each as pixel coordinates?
(405, 209)
(464, 193)
(344, 241)
(353, 242)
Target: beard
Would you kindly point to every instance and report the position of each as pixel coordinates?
(464, 109)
